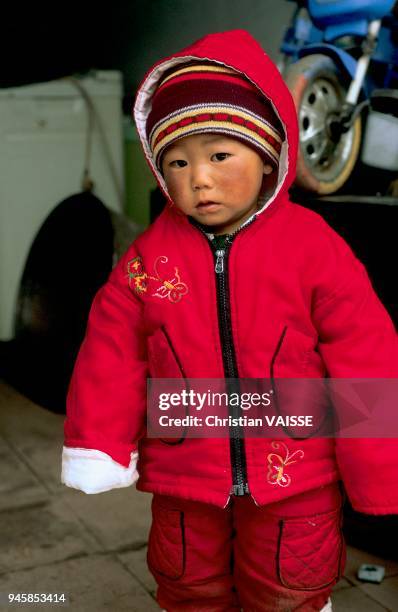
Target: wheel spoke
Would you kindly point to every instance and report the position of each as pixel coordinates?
(314, 150)
(314, 120)
(311, 133)
(319, 151)
(321, 100)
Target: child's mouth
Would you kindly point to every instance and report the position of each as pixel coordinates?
(207, 206)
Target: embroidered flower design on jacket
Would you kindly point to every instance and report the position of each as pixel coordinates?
(136, 275)
(168, 286)
(276, 464)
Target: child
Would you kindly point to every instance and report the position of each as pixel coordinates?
(232, 280)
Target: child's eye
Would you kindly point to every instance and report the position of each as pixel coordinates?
(220, 156)
(178, 163)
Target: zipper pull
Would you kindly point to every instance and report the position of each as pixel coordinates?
(240, 489)
(220, 261)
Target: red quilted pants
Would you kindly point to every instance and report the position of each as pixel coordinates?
(282, 557)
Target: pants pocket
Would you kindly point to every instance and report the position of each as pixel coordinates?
(310, 551)
(166, 545)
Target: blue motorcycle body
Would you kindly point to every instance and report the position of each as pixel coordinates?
(340, 57)
(326, 27)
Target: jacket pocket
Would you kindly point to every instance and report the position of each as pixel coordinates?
(295, 355)
(163, 361)
(166, 545)
(311, 551)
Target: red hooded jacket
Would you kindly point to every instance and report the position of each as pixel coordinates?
(298, 299)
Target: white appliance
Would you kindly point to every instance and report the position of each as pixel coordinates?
(44, 144)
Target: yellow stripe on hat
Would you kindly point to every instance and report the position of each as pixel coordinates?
(214, 109)
(199, 68)
(211, 125)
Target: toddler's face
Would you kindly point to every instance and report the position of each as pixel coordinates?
(214, 179)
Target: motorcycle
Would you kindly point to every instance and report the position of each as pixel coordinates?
(340, 62)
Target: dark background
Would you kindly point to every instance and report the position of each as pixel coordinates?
(41, 42)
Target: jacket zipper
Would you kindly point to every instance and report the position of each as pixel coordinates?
(240, 484)
(237, 444)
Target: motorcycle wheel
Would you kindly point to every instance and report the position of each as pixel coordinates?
(316, 85)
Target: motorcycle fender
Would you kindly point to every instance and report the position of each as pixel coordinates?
(346, 63)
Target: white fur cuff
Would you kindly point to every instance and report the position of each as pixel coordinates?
(93, 471)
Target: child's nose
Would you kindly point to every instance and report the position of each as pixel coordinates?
(201, 177)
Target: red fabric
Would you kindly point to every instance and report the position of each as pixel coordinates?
(287, 270)
(285, 556)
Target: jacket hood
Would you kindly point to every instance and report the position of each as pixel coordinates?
(238, 50)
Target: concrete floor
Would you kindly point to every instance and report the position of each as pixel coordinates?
(92, 548)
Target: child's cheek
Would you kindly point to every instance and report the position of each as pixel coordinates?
(241, 183)
(173, 188)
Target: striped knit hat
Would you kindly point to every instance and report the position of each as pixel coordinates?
(202, 97)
